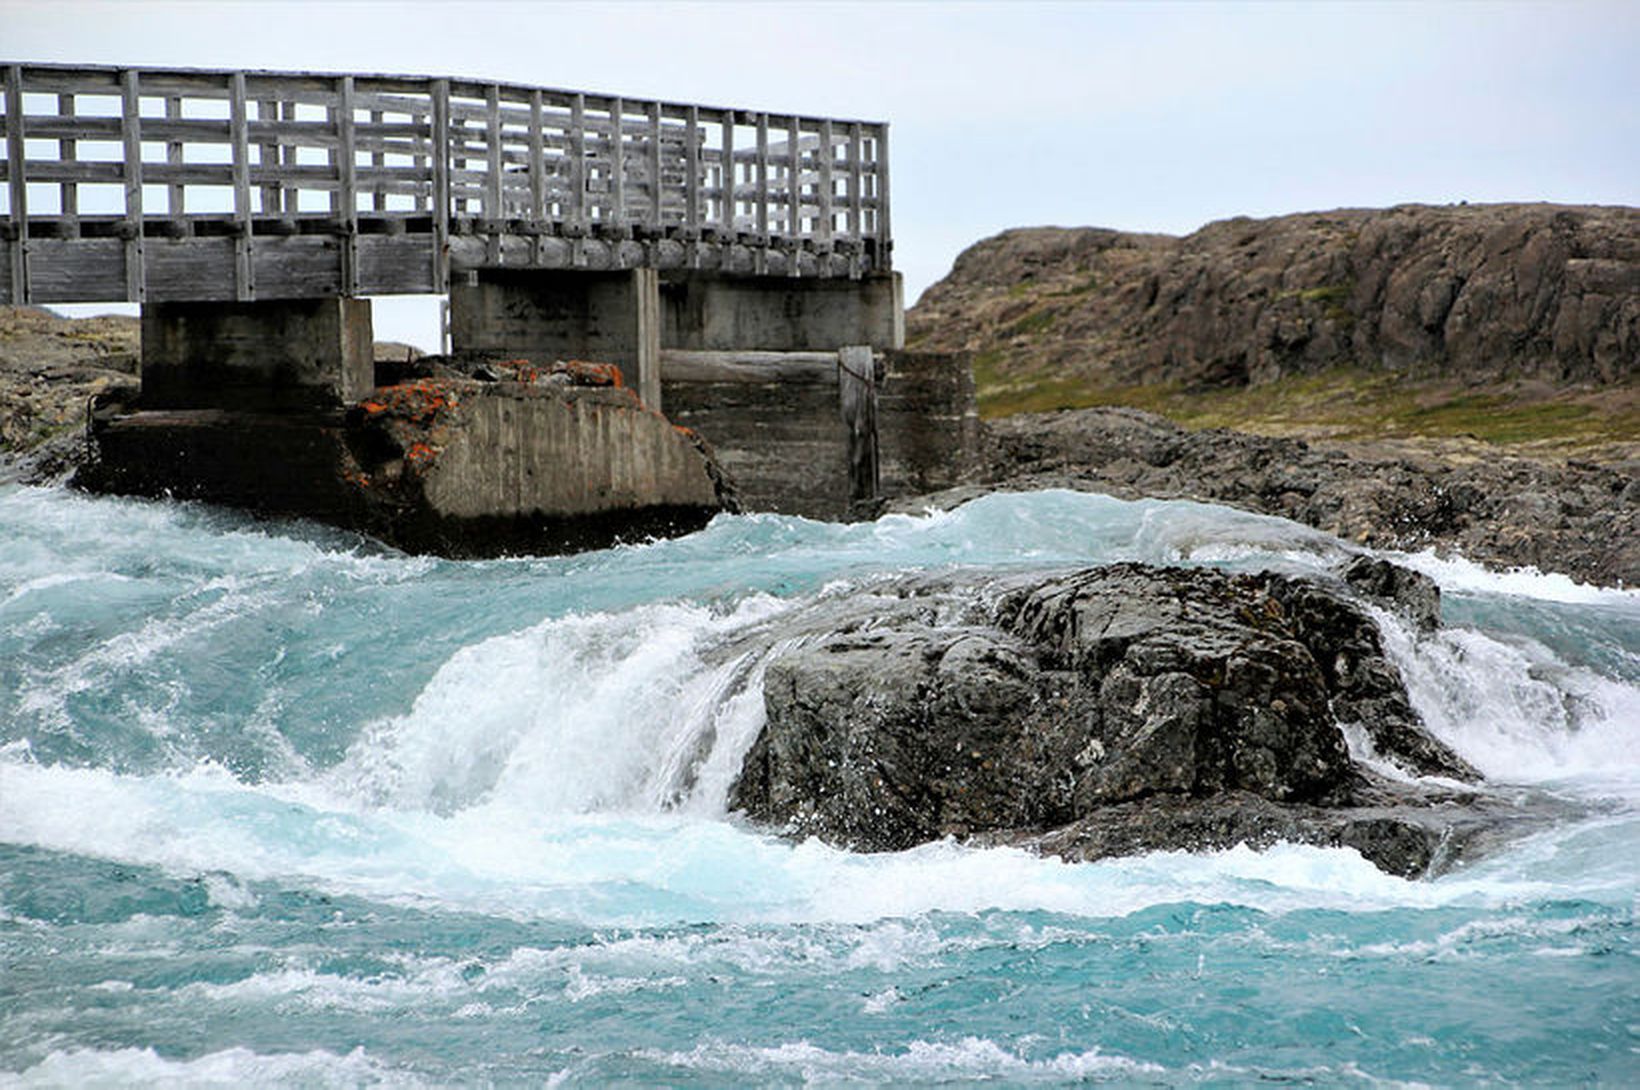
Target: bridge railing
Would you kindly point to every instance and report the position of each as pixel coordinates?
(128, 154)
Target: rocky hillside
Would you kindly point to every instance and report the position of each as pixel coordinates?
(1477, 293)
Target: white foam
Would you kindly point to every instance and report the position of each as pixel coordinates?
(1516, 711)
(90, 1068)
(1458, 573)
(921, 1061)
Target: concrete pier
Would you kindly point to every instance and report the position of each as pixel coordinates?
(257, 356)
(547, 315)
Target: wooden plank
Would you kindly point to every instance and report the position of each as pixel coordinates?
(492, 162)
(378, 160)
(441, 185)
(347, 183)
(135, 259)
(856, 222)
(266, 115)
(655, 167)
(763, 176)
(693, 135)
(884, 234)
(68, 194)
(786, 368)
(537, 167)
(244, 274)
(18, 182)
(726, 187)
(827, 153)
(617, 161)
(175, 195)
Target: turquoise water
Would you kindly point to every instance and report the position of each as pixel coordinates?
(280, 807)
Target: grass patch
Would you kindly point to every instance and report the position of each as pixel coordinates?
(1037, 321)
(1345, 403)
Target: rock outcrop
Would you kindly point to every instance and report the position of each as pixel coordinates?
(1476, 292)
(1114, 709)
(1575, 517)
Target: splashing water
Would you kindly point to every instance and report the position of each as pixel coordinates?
(280, 807)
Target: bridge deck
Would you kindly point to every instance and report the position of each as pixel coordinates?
(182, 184)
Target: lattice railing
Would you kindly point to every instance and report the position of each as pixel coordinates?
(131, 153)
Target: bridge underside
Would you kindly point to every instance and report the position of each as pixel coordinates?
(202, 259)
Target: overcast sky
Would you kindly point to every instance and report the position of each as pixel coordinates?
(1156, 117)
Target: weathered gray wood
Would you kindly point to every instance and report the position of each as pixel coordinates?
(802, 368)
(691, 177)
(68, 194)
(172, 131)
(347, 184)
(244, 275)
(378, 161)
(18, 182)
(726, 189)
(654, 138)
(883, 233)
(524, 172)
(441, 185)
(135, 255)
(827, 152)
(617, 164)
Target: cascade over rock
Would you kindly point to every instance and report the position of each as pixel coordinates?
(1113, 709)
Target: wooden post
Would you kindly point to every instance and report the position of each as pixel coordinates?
(131, 130)
(794, 193)
(244, 283)
(691, 184)
(655, 169)
(578, 179)
(441, 185)
(347, 183)
(824, 228)
(617, 164)
(176, 194)
(378, 162)
(538, 177)
(760, 264)
(267, 112)
(857, 401)
(856, 221)
(68, 194)
(18, 182)
(884, 238)
(726, 205)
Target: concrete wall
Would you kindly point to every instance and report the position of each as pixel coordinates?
(927, 423)
(775, 424)
(542, 316)
(524, 451)
(783, 314)
(259, 356)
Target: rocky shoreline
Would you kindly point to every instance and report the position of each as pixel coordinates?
(1574, 517)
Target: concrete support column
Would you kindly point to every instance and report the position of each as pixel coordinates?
(546, 315)
(257, 356)
(712, 313)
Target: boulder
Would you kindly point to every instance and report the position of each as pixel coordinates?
(1092, 712)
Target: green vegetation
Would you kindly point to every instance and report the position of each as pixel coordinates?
(1037, 321)
(1345, 403)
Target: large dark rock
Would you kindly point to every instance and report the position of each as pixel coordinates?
(1114, 709)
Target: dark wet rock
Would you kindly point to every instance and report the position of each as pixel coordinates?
(1095, 712)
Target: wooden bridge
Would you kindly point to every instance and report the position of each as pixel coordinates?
(152, 185)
